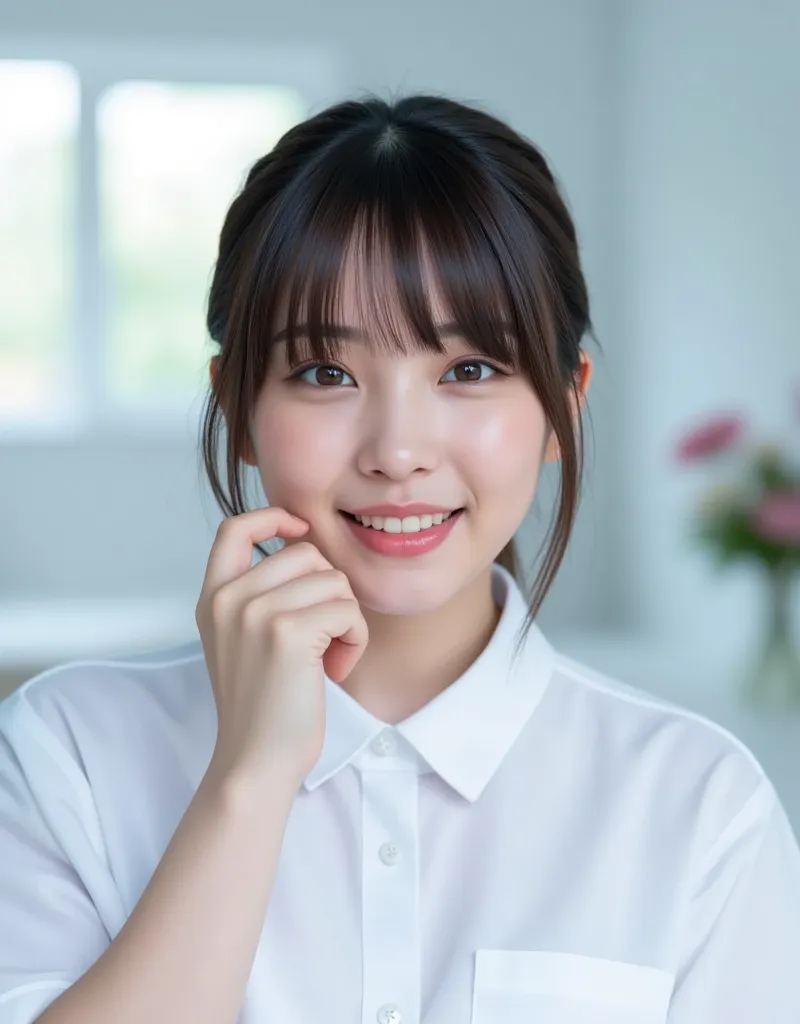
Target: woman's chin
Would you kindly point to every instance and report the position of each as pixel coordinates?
(395, 598)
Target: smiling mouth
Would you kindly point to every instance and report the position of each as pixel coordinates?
(409, 524)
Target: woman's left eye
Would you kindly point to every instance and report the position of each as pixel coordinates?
(470, 367)
(326, 375)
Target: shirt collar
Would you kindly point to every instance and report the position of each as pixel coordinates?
(465, 732)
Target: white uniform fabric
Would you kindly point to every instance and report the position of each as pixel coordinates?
(539, 843)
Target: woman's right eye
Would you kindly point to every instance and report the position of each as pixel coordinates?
(324, 375)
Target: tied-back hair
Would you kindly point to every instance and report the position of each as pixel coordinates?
(422, 185)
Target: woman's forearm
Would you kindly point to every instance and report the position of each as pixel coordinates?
(186, 951)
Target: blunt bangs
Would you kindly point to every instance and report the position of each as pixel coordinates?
(410, 216)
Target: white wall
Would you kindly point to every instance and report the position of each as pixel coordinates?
(123, 516)
(712, 219)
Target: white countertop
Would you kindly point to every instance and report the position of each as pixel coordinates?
(39, 633)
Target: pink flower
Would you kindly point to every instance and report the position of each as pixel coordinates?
(777, 518)
(710, 438)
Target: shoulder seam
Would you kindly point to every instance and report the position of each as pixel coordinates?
(603, 682)
(110, 663)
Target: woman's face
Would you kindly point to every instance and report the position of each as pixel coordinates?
(386, 427)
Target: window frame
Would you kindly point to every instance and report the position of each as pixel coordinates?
(315, 71)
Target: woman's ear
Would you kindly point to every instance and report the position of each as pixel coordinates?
(553, 448)
(248, 455)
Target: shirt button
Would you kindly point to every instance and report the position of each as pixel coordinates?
(389, 853)
(384, 745)
(390, 1013)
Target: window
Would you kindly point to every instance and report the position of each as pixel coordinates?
(117, 174)
(38, 151)
(171, 159)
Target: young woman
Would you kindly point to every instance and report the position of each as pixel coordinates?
(373, 791)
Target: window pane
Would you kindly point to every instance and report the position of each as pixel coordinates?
(172, 157)
(39, 115)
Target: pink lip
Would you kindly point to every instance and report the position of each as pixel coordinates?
(402, 545)
(414, 508)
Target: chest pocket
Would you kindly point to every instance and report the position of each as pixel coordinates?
(540, 987)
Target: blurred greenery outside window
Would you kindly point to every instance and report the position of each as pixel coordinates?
(169, 158)
(39, 119)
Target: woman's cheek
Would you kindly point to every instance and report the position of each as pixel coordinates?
(506, 439)
(300, 452)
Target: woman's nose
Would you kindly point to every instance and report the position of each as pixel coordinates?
(402, 435)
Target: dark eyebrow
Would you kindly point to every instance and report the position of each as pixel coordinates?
(448, 329)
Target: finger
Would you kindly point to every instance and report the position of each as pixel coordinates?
(340, 659)
(278, 569)
(337, 619)
(306, 591)
(231, 553)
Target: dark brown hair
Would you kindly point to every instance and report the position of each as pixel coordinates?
(423, 178)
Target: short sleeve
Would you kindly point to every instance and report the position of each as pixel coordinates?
(740, 961)
(50, 929)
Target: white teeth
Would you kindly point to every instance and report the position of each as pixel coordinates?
(411, 524)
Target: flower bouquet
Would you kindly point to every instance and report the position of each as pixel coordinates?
(754, 514)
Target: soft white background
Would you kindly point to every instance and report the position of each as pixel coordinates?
(673, 127)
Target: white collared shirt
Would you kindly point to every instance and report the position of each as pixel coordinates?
(539, 843)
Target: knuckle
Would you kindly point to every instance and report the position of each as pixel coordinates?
(226, 526)
(308, 551)
(252, 614)
(221, 603)
(282, 626)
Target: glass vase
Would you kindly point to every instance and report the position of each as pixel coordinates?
(773, 678)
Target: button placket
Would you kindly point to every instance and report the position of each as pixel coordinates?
(385, 745)
(390, 905)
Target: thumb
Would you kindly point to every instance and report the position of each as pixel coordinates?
(340, 659)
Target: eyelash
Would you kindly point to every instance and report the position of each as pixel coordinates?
(295, 377)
